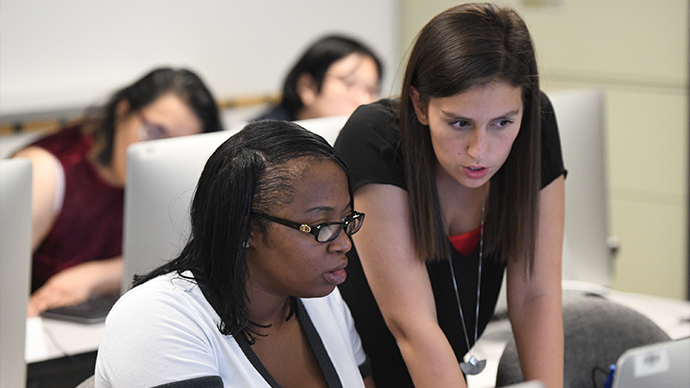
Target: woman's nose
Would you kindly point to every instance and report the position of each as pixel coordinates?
(477, 145)
(342, 243)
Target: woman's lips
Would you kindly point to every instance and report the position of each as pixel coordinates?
(475, 172)
(337, 276)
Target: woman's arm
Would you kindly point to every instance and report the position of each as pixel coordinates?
(369, 382)
(74, 284)
(400, 283)
(43, 192)
(534, 303)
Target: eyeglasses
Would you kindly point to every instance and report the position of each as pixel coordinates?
(355, 86)
(150, 131)
(325, 232)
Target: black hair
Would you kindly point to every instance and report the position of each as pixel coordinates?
(185, 84)
(248, 173)
(315, 61)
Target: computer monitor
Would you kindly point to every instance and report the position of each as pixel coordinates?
(161, 178)
(15, 264)
(587, 256)
(663, 364)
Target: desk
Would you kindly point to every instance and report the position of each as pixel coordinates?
(60, 354)
(49, 339)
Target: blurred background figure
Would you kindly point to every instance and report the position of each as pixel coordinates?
(79, 176)
(334, 76)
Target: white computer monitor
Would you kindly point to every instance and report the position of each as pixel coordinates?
(587, 256)
(161, 178)
(15, 264)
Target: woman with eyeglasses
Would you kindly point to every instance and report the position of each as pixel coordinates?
(462, 180)
(78, 179)
(251, 301)
(334, 76)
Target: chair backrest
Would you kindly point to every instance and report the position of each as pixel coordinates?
(597, 332)
(15, 261)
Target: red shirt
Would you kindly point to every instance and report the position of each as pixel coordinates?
(466, 243)
(89, 225)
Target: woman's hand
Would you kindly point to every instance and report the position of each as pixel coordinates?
(76, 284)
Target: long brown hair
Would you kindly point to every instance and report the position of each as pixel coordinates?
(465, 47)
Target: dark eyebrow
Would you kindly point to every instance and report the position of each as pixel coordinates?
(452, 116)
(319, 209)
(325, 209)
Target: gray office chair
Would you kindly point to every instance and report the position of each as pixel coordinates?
(597, 332)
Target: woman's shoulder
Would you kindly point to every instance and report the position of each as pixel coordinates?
(162, 300)
(369, 145)
(377, 119)
(67, 137)
(275, 112)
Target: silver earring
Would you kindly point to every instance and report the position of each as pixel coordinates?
(245, 244)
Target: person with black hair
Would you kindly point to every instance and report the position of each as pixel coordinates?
(251, 300)
(334, 76)
(79, 176)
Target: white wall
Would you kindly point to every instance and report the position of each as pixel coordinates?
(637, 52)
(63, 53)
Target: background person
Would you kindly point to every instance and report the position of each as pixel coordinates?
(79, 176)
(460, 178)
(251, 300)
(334, 76)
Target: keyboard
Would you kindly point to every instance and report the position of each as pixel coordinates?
(93, 310)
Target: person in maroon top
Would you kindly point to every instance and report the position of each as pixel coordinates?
(79, 176)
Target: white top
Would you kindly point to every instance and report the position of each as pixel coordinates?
(166, 331)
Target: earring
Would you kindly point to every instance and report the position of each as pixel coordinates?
(245, 244)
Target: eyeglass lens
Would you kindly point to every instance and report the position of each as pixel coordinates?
(330, 232)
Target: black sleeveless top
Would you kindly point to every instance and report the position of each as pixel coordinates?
(369, 146)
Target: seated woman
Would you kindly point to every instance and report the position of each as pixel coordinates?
(251, 301)
(78, 179)
(333, 77)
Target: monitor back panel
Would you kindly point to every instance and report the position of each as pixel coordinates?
(665, 364)
(15, 264)
(580, 115)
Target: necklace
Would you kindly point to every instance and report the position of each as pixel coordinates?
(472, 366)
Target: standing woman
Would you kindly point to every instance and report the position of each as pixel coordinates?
(251, 301)
(79, 177)
(460, 179)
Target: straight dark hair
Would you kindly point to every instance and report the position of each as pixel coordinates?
(185, 84)
(250, 172)
(468, 46)
(316, 61)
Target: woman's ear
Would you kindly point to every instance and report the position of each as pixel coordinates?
(250, 241)
(306, 89)
(121, 110)
(420, 107)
